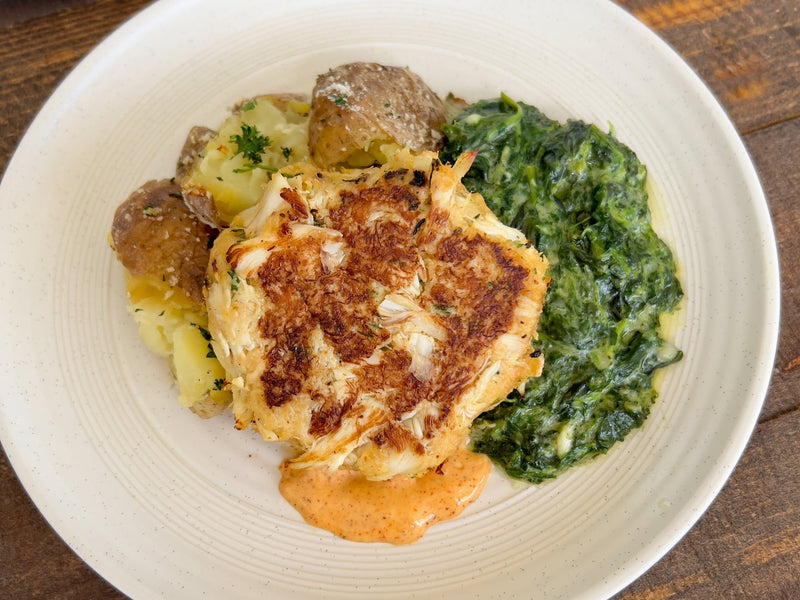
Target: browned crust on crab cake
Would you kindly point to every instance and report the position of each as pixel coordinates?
(370, 316)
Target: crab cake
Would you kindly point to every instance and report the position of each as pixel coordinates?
(370, 315)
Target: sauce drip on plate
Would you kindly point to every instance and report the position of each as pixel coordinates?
(398, 510)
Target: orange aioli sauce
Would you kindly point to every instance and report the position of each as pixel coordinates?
(398, 510)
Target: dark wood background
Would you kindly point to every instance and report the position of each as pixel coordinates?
(748, 51)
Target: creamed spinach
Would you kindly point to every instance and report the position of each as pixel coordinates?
(579, 195)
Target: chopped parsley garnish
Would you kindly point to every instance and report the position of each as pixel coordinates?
(249, 105)
(235, 281)
(207, 337)
(287, 152)
(249, 167)
(338, 99)
(250, 143)
(204, 332)
(442, 309)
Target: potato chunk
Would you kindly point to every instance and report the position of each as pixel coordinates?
(155, 233)
(199, 374)
(260, 136)
(360, 112)
(173, 326)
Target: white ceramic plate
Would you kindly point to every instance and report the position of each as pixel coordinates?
(163, 504)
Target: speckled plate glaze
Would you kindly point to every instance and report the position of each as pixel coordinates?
(163, 504)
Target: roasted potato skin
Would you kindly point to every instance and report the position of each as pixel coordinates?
(357, 107)
(202, 205)
(155, 233)
(195, 143)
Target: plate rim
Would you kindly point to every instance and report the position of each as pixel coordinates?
(116, 41)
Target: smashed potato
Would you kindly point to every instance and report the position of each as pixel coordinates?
(361, 112)
(262, 135)
(173, 326)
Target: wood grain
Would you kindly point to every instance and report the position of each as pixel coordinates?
(36, 54)
(37, 50)
(19, 11)
(747, 51)
(35, 561)
(747, 546)
(775, 152)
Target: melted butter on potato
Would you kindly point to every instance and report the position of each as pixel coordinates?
(362, 112)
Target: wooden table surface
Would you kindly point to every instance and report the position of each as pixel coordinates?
(748, 51)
